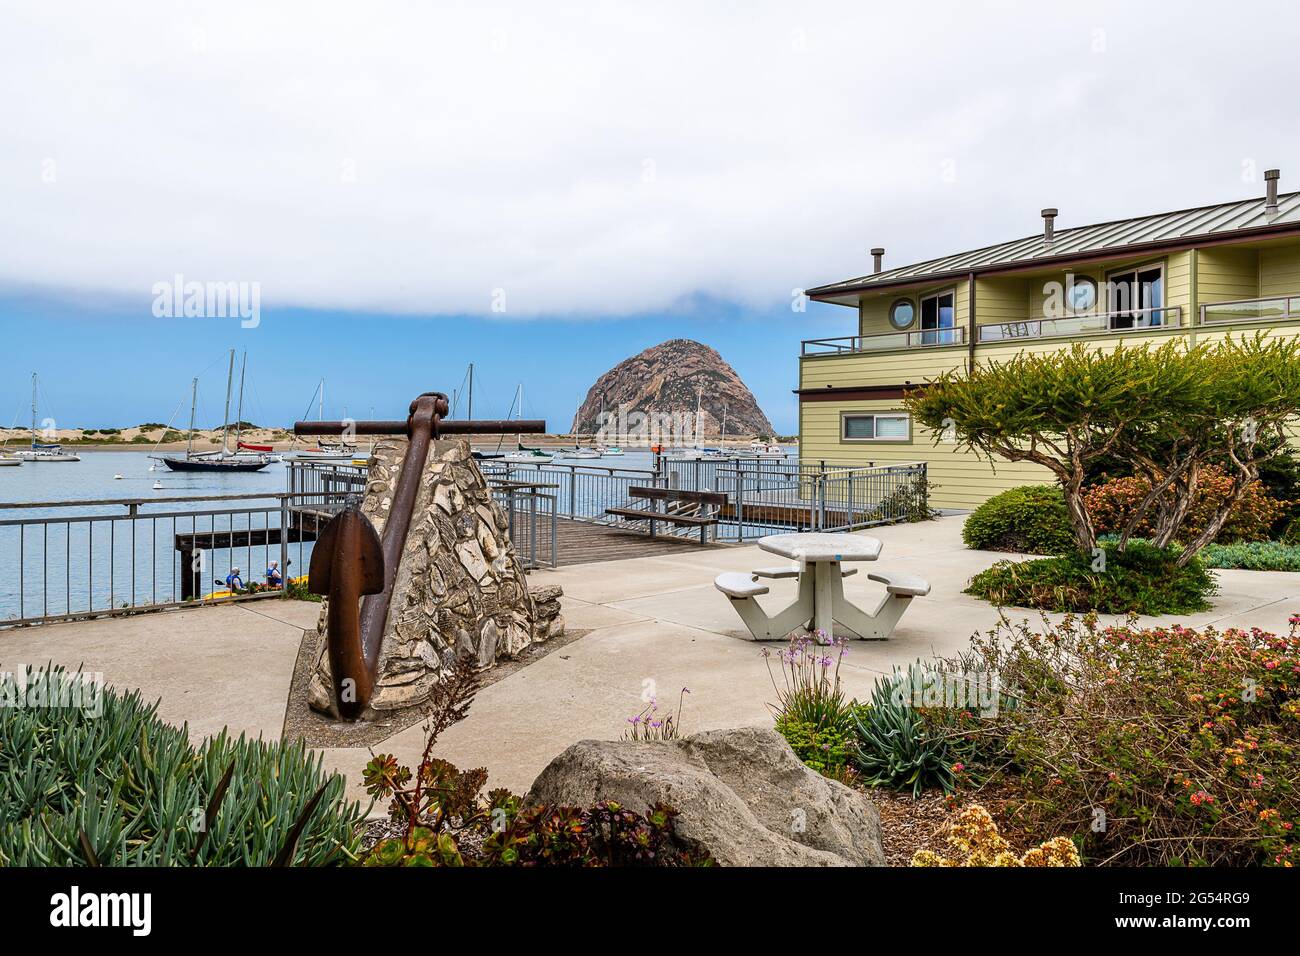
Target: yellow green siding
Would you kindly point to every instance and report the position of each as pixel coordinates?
(962, 480)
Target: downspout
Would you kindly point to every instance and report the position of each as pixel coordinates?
(970, 335)
(1194, 305)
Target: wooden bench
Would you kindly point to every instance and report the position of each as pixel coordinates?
(670, 504)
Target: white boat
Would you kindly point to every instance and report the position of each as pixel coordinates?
(609, 451)
(40, 451)
(763, 450)
(7, 460)
(527, 457)
(581, 453)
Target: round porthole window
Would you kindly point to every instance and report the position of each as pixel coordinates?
(1082, 295)
(901, 314)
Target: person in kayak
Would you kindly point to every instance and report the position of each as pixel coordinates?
(274, 579)
(233, 581)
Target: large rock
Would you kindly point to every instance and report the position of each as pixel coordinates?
(743, 795)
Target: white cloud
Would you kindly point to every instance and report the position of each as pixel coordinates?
(603, 158)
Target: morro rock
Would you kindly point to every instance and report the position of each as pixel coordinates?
(666, 379)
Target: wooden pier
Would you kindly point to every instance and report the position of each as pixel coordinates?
(582, 542)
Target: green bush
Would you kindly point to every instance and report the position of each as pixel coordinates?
(1253, 556)
(108, 783)
(901, 744)
(1142, 579)
(824, 749)
(1152, 746)
(1028, 520)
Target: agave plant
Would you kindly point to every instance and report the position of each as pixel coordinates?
(897, 746)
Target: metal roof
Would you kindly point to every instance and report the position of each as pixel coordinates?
(1214, 223)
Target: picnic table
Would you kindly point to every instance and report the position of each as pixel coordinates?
(820, 557)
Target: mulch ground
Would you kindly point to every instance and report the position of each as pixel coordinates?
(908, 825)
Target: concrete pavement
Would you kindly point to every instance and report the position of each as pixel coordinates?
(656, 625)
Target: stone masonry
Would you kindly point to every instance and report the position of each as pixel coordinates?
(460, 587)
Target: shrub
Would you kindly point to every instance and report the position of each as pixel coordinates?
(975, 837)
(125, 789)
(1154, 745)
(909, 502)
(810, 692)
(1112, 504)
(1030, 520)
(1142, 579)
(445, 821)
(1253, 556)
(902, 745)
(647, 724)
(824, 749)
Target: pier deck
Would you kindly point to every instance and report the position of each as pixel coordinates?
(581, 542)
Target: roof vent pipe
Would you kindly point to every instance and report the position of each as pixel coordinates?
(1271, 176)
(1049, 225)
(877, 254)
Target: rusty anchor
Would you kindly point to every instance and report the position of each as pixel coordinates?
(354, 567)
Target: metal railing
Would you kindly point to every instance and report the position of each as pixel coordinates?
(884, 341)
(764, 495)
(530, 520)
(1092, 323)
(1275, 309)
(65, 560)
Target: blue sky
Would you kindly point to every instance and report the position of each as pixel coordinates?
(106, 366)
(623, 173)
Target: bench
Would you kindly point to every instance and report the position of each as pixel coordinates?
(905, 585)
(671, 505)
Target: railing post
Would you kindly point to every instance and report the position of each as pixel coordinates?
(284, 544)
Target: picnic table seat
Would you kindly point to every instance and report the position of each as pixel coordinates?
(738, 585)
(786, 571)
(906, 585)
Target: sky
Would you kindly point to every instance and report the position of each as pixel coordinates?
(545, 189)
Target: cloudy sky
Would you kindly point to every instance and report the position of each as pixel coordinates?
(545, 188)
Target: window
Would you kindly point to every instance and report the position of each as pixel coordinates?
(1137, 298)
(889, 426)
(937, 315)
(901, 314)
(1081, 295)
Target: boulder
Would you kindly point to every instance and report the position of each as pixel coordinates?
(743, 796)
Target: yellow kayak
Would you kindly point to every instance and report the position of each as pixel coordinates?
(225, 592)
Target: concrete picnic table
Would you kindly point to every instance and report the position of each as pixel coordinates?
(821, 598)
(819, 554)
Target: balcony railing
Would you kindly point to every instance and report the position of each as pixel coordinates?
(1251, 310)
(1094, 323)
(886, 342)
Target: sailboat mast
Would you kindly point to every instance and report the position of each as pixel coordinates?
(194, 398)
(699, 395)
(239, 415)
(33, 408)
(225, 424)
(470, 413)
(320, 409)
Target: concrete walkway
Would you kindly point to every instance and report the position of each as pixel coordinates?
(656, 624)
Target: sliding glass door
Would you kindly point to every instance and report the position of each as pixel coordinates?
(1137, 298)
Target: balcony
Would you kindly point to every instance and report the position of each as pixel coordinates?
(886, 342)
(1251, 310)
(1092, 324)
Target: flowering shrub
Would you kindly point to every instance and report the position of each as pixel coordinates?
(649, 725)
(974, 835)
(1161, 745)
(1112, 503)
(811, 711)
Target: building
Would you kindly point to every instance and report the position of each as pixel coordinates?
(1194, 274)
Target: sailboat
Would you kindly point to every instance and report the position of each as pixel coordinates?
(40, 451)
(469, 415)
(224, 460)
(522, 453)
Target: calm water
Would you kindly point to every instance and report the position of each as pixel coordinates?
(60, 560)
(72, 559)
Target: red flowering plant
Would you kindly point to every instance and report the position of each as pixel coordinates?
(1152, 746)
(1113, 504)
